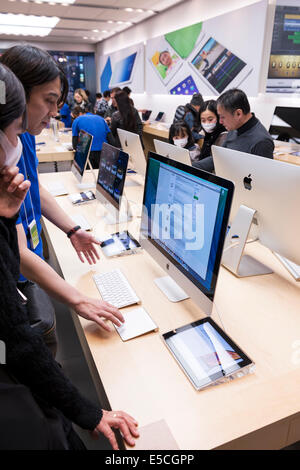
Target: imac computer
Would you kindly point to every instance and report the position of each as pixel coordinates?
(81, 158)
(285, 125)
(131, 144)
(266, 193)
(110, 183)
(178, 154)
(184, 222)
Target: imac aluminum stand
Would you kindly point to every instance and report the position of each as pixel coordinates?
(233, 259)
(171, 290)
(91, 185)
(115, 216)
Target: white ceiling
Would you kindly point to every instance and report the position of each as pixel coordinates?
(77, 21)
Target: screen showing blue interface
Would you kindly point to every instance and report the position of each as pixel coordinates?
(186, 87)
(123, 69)
(184, 220)
(204, 354)
(112, 171)
(82, 150)
(106, 76)
(217, 64)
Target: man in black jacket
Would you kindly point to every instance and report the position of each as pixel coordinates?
(245, 131)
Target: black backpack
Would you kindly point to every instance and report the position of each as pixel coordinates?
(179, 113)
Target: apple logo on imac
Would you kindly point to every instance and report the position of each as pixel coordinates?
(247, 182)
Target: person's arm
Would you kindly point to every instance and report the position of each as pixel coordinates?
(206, 164)
(82, 241)
(74, 141)
(37, 270)
(32, 363)
(265, 148)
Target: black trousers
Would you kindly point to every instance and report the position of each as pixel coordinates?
(26, 423)
(94, 158)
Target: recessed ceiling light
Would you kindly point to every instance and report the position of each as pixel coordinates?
(85, 37)
(95, 30)
(110, 21)
(128, 9)
(151, 11)
(139, 10)
(104, 31)
(27, 24)
(120, 22)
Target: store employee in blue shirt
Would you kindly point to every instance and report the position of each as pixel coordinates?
(44, 89)
(94, 125)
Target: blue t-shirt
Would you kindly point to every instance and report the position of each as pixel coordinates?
(31, 207)
(94, 125)
(66, 115)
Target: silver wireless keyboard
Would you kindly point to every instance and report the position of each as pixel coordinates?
(115, 289)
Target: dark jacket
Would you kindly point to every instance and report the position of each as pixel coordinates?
(210, 139)
(27, 356)
(192, 119)
(117, 123)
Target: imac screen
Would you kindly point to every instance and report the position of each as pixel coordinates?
(112, 173)
(82, 150)
(185, 218)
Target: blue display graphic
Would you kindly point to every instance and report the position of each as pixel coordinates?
(186, 87)
(123, 69)
(106, 76)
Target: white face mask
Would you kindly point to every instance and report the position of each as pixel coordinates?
(209, 127)
(12, 153)
(181, 142)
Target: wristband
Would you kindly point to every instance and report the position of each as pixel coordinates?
(73, 230)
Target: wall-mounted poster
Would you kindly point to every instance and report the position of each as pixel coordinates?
(284, 64)
(210, 56)
(124, 67)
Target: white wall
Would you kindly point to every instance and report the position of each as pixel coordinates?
(184, 14)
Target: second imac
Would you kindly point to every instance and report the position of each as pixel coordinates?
(131, 144)
(81, 159)
(178, 154)
(266, 193)
(110, 183)
(184, 223)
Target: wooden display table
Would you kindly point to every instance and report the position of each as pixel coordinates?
(261, 314)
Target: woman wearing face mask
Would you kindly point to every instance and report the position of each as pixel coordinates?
(37, 402)
(181, 135)
(214, 134)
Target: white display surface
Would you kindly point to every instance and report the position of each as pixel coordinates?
(234, 31)
(123, 68)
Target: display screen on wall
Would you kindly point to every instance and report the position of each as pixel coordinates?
(209, 57)
(284, 64)
(124, 67)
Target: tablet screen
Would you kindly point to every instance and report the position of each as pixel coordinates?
(217, 64)
(205, 352)
(119, 243)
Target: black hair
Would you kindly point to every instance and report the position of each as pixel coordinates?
(126, 110)
(127, 90)
(234, 99)
(77, 110)
(106, 94)
(176, 130)
(12, 98)
(210, 105)
(34, 66)
(114, 90)
(98, 95)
